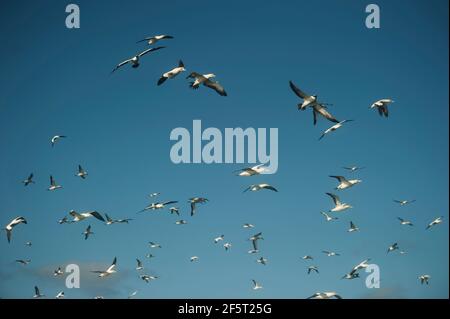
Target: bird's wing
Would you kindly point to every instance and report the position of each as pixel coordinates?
(352, 225)
(323, 111)
(8, 235)
(255, 246)
(121, 64)
(297, 91)
(75, 214)
(339, 178)
(149, 50)
(52, 181)
(97, 215)
(108, 218)
(270, 187)
(335, 198)
(171, 202)
(192, 208)
(145, 39)
(215, 86)
(36, 290)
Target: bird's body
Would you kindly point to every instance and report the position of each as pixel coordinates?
(352, 168)
(307, 257)
(181, 222)
(247, 225)
(60, 295)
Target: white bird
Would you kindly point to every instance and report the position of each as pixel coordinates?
(82, 216)
(311, 101)
(134, 293)
(135, 60)
(28, 180)
(217, 239)
(193, 258)
(156, 38)
(194, 201)
(29, 244)
(382, 106)
(154, 245)
(110, 221)
(175, 210)
(254, 239)
(172, 73)
(325, 295)
(81, 172)
(424, 279)
(23, 262)
(110, 270)
(205, 79)
(313, 268)
(435, 222)
(154, 194)
(351, 275)
(328, 217)
(155, 206)
(306, 257)
(250, 171)
(37, 293)
(362, 265)
(53, 184)
(333, 128)
(404, 202)
(16, 221)
(262, 261)
(247, 225)
(339, 206)
(353, 227)
(139, 265)
(148, 278)
(181, 222)
(227, 246)
(256, 285)
(330, 253)
(56, 138)
(60, 295)
(149, 256)
(345, 183)
(392, 247)
(353, 168)
(404, 221)
(87, 232)
(64, 220)
(258, 187)
(58, 272)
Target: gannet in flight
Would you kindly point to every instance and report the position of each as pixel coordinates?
(362, 265)
(147, 278)
(328, 217)
(194, 201)
(404, 221)
(392, 247)
(60, 295)
(64, 220)
(193, 258)
(181, 222)
(254, 239)
(175, 210)
(156, 38)
(306, 257)
(352, 228)
(258, 187)
(256, 285)
(81, 216)
(58, 272)
(382, 106)
(154, 194)
(351, 275)
(110, 221)
(333, 128)
(28, 244)
(29, 180)
(87, 232)
(344, 183)
(250, 171)
(217, 239)
(247, 225)
(111, 269)
(424, 279)
(339, 206)
(313, 268)
(227, 246)
(172, 73)
(154, 245)
(325, 295)
(155, 206)
(16, 221)
(139, 265)
(262, 261)
(56, 138)
(404, 202)
(353, 168)
(81, 172)
(134, 293)
(135, 60)
(205, 79)
(435, 222)
(53, 185)
(37, 293)
(149, 256)
(330, 253)
(23, 262)
(311, 101)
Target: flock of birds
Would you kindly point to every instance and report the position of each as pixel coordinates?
(307, 101)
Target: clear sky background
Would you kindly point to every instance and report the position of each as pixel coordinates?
(57, 81)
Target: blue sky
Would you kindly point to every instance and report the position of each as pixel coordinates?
(56, 81)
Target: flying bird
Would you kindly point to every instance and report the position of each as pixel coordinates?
(351, 275)
(37, 293)
(435, 222)
(23, 262)
(87, 232)
(217, 239)
(205, 79)
(404, 202)
(194, 201)
(28, 180)
(28, 244)
(313, 268)
(53, 184)
(60, 295)
(134, 293)
(251, 171)
(174, 210)
(16, 221)
(110, 221)
(353, 168)
(56, 138)
(256, 285)
(339, 206)
(64, 220)
(154, 245)
(325, 295)
(148, 278)
(382, 106)
(193, 258)
(135, 61)
(154, 194)
(306, 257)
(258, 187)
(330, 253)
(81, 216)
(404, 221)
(155, 206)
(424, 279)
(110, 270)
(392, 247)
(311, 101)
(362, 265)
(181, 222)
(344, 183)
(81, 172)
(333, 128)
(139, 265)
(328, 217)
(156, 38)
(262, 261)
(172, 73)
(353, 227)
(227, 246)
(247, 225)
(58, 272)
